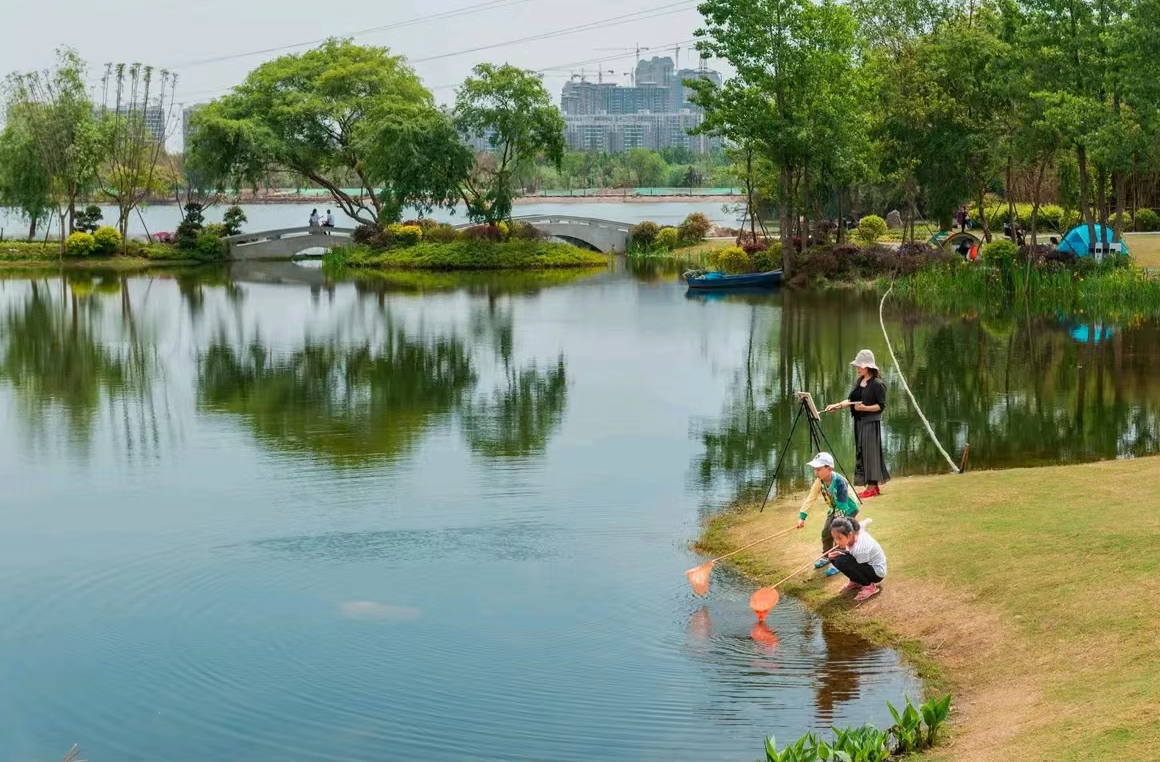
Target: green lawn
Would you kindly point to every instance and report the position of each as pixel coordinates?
(1145, 248)
(1031, 593)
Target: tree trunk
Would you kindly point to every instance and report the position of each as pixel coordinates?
(1102, 202)
(786, 219)
(32, 227)
(841, 222)
(1084, 207)
(1119, 179)
(983, 216)
(1007, 189)
(805, 206)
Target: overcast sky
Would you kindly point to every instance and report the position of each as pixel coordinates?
(173, 34)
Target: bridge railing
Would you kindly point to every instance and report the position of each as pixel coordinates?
(274, 235)
(565, 219)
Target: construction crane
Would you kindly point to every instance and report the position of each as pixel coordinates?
(638, 50)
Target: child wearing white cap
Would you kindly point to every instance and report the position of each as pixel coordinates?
(839, 498)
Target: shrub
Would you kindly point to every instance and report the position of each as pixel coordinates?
(209, 247)
(871, 228)
(441, 233)
(731, 260)
(364, 234)
(190, 227)
(644, 234)
(89, 220)
(216, 228)
(233, 220)
(504, 229)
(1147, 221)
(524, 231)
(406, 235)
(80, 244)
(481, 233)
(1000, 253)
(106, 240)
(694, 228)
(668, 238)
(426, 223)
(766, 258)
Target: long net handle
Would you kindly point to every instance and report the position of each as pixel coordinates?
(750, 545)
(793, 574)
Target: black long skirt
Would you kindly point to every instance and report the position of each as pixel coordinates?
(871, 463)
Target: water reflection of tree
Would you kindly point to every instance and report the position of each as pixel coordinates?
(1020, 391)
(350, 405)
(521, 416)
(54, 354)
(367, 404)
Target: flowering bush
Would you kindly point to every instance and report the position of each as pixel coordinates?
(106, 240)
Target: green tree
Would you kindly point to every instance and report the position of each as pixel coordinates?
(129, 172)
(795, 63)
(25, 183)
(333, 115)
(53, 109)
(647, 167)
(511, 109)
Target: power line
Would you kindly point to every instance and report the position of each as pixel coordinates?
(477, 8)
(662, 10)
(647, 14)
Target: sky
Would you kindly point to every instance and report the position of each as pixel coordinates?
(173, 35)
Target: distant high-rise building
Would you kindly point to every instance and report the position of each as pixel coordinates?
(155, 118)
(616, 133)
(655, 113)
(655, 71)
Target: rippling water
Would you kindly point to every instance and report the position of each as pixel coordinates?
(255, 515)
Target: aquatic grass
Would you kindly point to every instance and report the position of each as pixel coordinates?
(1100, 293)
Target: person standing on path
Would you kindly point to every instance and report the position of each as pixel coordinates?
(961, 219)
(867, 400)
(858, 556)
(838, 497)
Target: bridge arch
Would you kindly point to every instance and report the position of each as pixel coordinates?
(605, 236)
(285, 243)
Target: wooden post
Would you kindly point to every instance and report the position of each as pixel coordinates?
(966, 456)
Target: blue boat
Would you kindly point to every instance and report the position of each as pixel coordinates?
(700, 279)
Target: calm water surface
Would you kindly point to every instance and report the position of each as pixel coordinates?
(255, 515)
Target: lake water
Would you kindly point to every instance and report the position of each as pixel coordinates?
(162, 217)
(256, 515)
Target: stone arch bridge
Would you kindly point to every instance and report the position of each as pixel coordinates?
(604, 236)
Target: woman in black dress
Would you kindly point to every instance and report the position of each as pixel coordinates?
(867, 400)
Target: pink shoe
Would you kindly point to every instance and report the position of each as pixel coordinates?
(850, 586)
(867, 592)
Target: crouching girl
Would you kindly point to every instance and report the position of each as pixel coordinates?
(858, 556)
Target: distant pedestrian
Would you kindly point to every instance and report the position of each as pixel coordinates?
(329, 223)
(961, 219)
(858, 556)
(313, 218)
(839, 499)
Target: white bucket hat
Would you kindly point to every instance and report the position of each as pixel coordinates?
(865, 359)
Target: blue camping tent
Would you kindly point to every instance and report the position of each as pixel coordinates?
(1079, 242)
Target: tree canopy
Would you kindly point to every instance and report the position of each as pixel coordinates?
(336, 112)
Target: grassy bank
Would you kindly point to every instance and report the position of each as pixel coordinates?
(32, 254)
(1031, 593)
(468, 255)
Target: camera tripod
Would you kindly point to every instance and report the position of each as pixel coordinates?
(817, 439)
